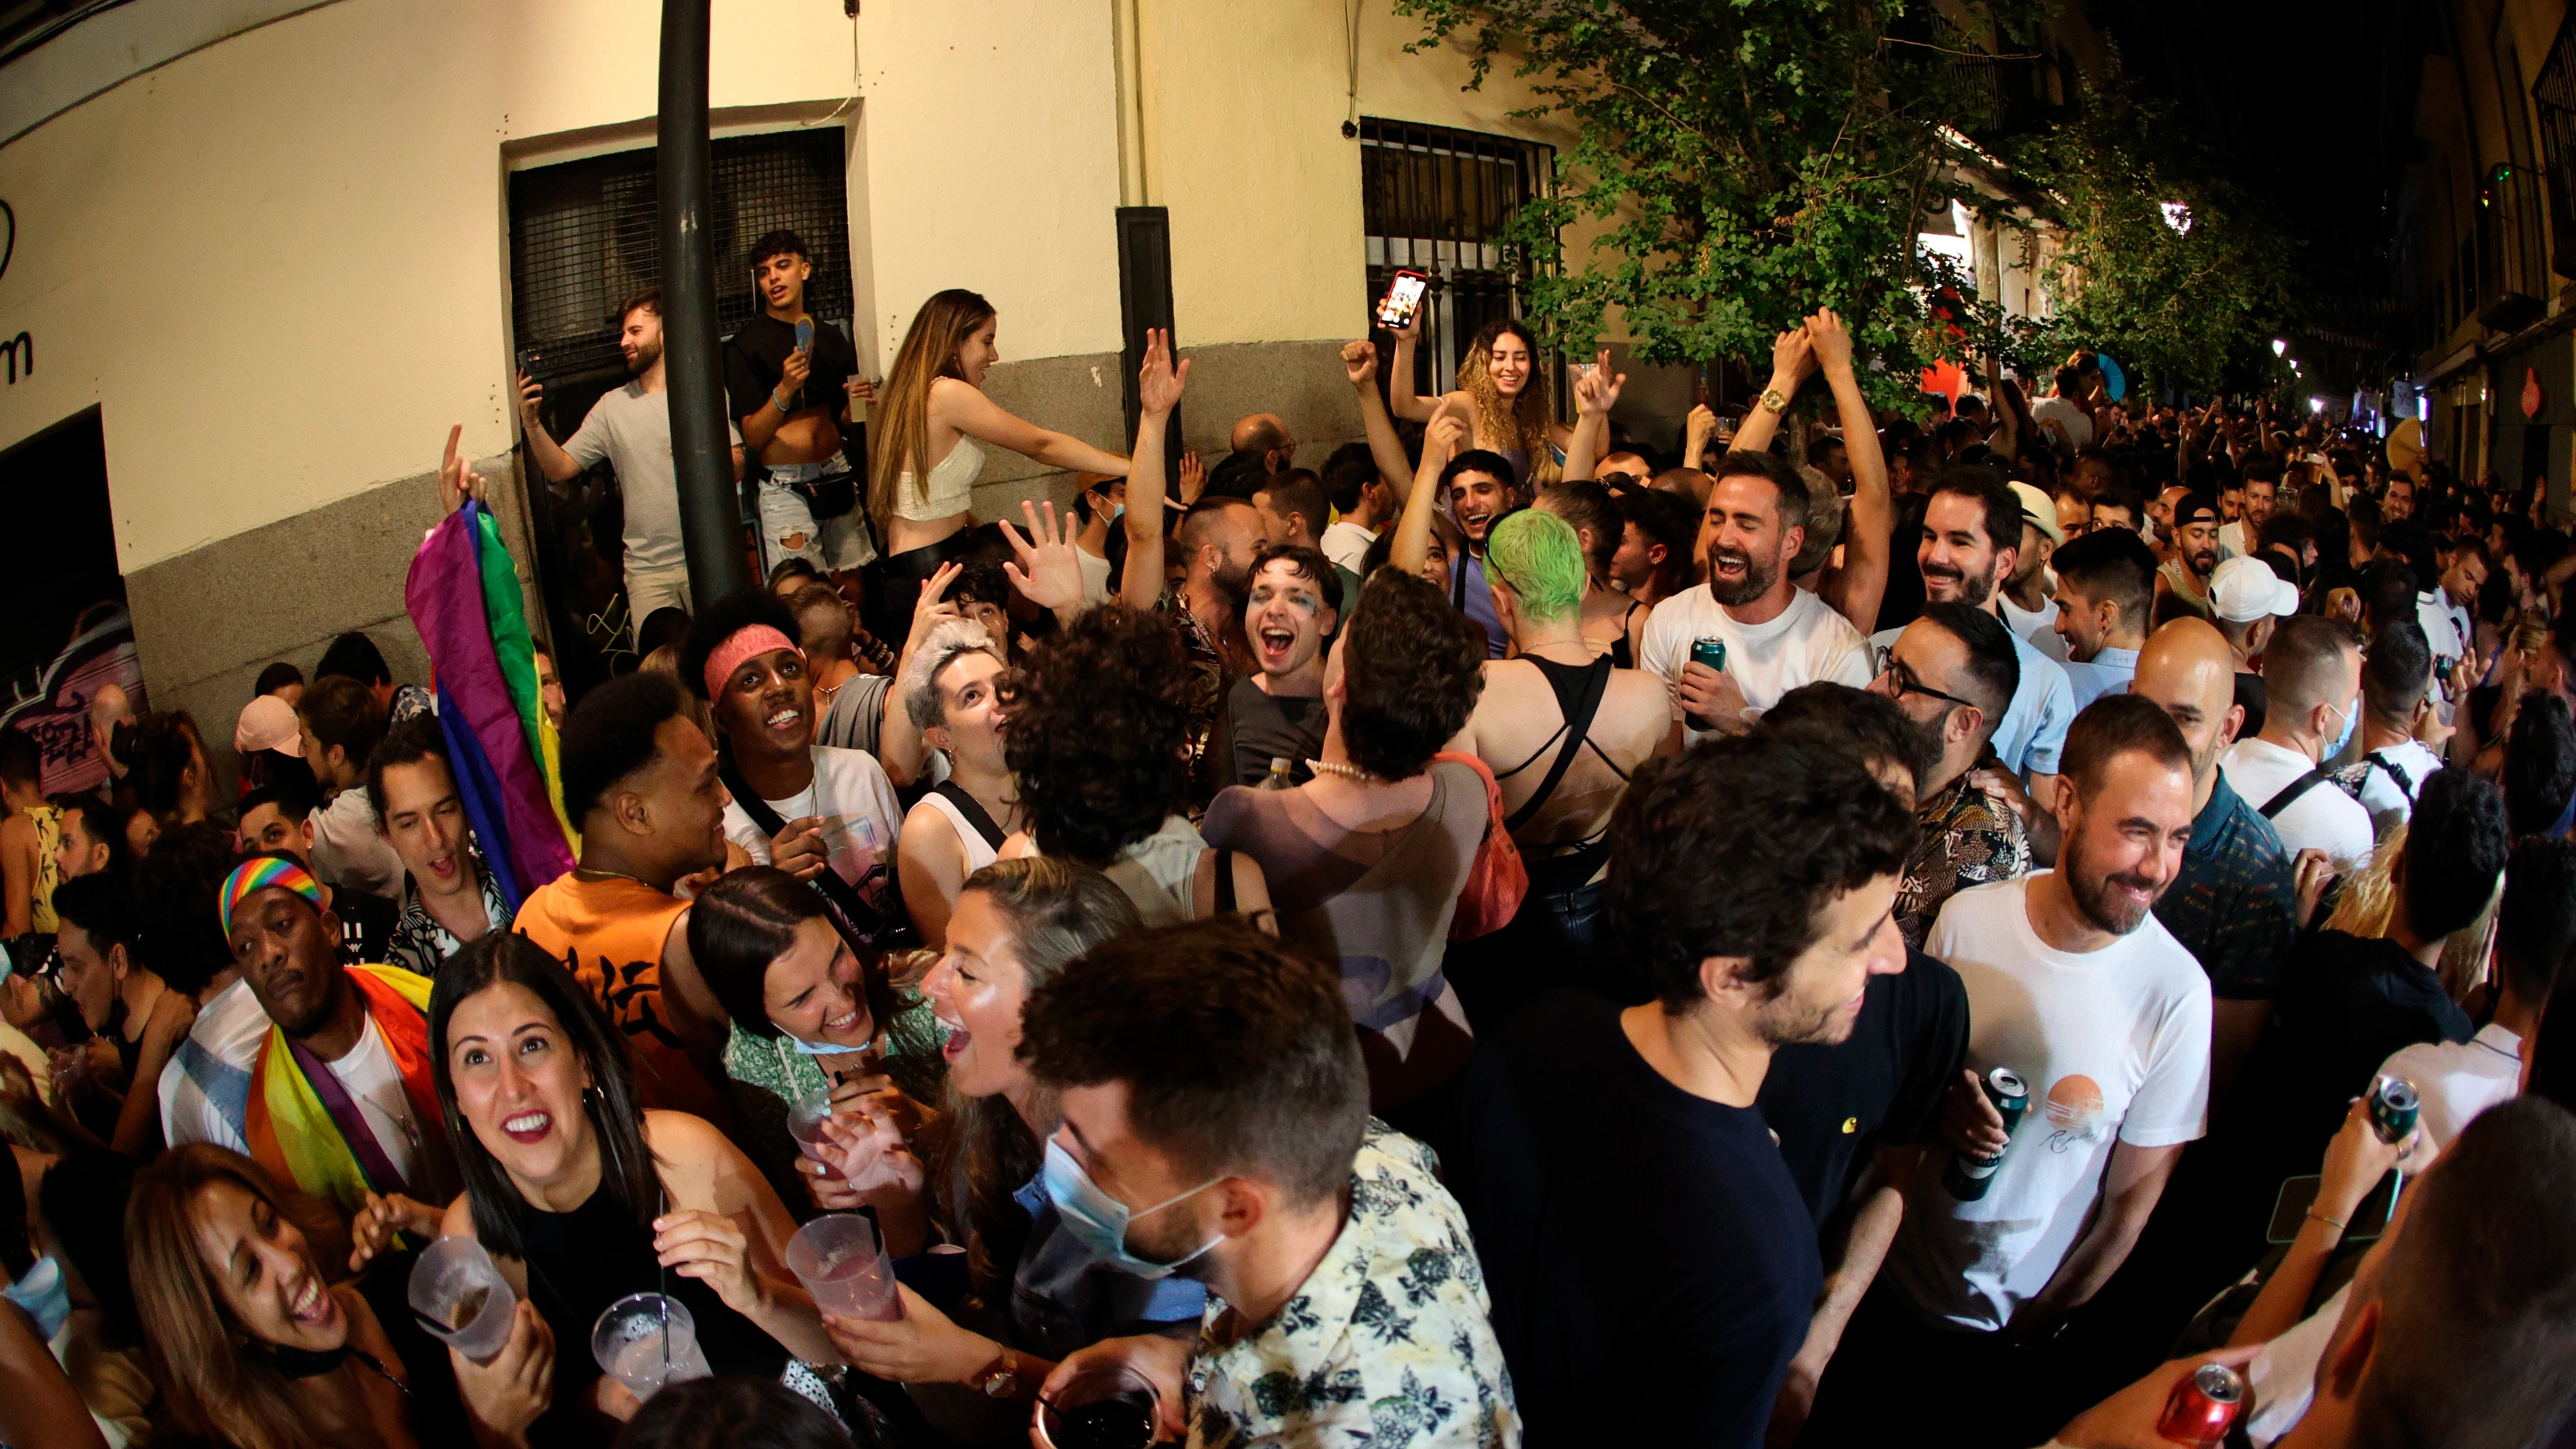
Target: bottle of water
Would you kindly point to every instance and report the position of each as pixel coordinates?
(1277, 779)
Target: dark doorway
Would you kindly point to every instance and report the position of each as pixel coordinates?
(56, 482)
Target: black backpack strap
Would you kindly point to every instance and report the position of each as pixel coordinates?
(1578, 725)
(2405, 783)
(974, 811)
(2291, 792)
(867, 929)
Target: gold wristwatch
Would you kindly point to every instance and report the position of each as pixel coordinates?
(1001, 1378)
(1772, 399)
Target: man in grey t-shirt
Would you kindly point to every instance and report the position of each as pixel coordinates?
(631, 429)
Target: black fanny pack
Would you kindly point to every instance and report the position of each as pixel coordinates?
(828, 496)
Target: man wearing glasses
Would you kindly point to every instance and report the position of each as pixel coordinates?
(1953, 671)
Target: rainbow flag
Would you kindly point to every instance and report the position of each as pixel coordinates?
(464, 598)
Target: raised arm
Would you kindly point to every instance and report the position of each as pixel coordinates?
(1159, 384)
(963, 406)
(1791, 356)
(1359, 361)
(1596, 392)
(1400, 398)
(2355, 1162)
(1413, 531)
(1855, 588)
(2012, 414)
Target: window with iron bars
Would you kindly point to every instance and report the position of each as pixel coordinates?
(582, 241)
(2553, 95)
(1436, 200)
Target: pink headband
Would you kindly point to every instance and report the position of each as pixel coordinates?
(738, 646)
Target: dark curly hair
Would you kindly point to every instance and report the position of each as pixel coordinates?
(722, 620)
(1735, 848)
(1412, 666)
(1865, 722)
(2456, 844)
(1096, 734)
(2539, 763)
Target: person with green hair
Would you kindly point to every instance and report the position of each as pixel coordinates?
(1561, 727)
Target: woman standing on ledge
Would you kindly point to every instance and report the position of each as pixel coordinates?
(923, 458)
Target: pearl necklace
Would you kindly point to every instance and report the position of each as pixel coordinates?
(1347, 772)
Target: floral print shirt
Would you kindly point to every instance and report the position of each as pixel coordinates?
(1388, 1343)
(1203, 695)
(1968, 838)
(420, 943)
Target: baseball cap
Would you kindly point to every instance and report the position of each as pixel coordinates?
(2246, 589)
(2189, 508)
(2040, 511)
(268, 723)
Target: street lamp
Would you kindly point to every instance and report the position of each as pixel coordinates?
(2316, 405)
(2279, 346)
(2177, 216)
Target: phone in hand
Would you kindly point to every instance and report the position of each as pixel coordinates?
(805, 335)
(2298, 1194)
(1403, 299)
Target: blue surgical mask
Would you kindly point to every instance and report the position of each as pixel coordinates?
(1099, 1222)
(43, 1293)
(2351, 717)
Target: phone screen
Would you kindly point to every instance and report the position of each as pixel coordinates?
(1403, 299)
(2298, 1194)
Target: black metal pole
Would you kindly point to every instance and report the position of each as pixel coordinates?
(701, 450)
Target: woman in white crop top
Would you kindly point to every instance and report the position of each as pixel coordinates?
(933, 408)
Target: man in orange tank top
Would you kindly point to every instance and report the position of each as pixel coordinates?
(641, 778)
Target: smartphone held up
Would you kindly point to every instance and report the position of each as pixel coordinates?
(1403, 299)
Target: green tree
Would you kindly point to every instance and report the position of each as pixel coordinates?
(2189, 301)
(1750, 161)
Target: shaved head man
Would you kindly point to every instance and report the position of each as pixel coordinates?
(2232, 905)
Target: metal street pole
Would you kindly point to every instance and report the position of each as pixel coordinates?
(701, 450)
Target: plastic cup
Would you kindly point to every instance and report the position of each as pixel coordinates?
(646, 1341)
(805, 1118)
(1107, 1407)
(841, 1260)
(459, 1295)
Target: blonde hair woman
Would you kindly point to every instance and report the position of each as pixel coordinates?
(922, 451)
(1502, 390)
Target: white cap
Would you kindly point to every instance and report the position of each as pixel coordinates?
(2246, 589)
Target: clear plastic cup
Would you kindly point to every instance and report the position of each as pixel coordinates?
(1106, 1407)
(805, 1118)
(841, 1260)
(646, 1341)
(459, 1295)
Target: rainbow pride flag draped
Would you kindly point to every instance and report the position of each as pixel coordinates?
(302, 1123)
(464, 598)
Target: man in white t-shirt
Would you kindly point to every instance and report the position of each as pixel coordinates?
(832, 809)
(2444, 611)
(2239, 538)
(2535, 930)
(630, 427)
(1777, 635)
(2073, 423)
(2078, 990)
(2396, 698)
(2312, 684)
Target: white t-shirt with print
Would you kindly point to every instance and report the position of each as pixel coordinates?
(2325, 818)
(1809, 641)
(856, 801)
(2114, 1045)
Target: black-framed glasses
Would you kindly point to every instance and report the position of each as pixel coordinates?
(1889, 666)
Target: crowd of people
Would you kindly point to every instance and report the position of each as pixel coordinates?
(1856, 931)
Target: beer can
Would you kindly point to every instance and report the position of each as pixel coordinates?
(2393, 1108)
(1968, 1176)
(2203, 1406)
(1711, 652)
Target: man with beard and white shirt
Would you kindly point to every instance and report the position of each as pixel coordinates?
(2106, 584)
(2076, 989)
(2262, 485)
(1777, 636)
(2183, 583)
(630, 427)
(2028, 609)
(2312, 680)
(1971, 542)
(1277, 712)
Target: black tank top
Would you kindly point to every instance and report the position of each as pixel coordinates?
(584, 1260)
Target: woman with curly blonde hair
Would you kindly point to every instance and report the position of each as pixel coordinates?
(1503, 392)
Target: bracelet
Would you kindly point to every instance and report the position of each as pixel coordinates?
(775, 402)
(2333, 1223)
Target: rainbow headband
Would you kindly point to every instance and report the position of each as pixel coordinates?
(252, 876)
(738, 646)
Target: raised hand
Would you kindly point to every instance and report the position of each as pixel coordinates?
(457, 480)
(1596, 392)
(1444, 435)
(1830, 342)
(866, 1144)
(1359, 362)
(792, 373)
(531, 394)
(1792, 354)
(1048, 572)
(1193, 478)
(1697, 429)
(932, 609)
(1159, 383)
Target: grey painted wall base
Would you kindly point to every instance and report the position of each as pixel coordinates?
(208, 621)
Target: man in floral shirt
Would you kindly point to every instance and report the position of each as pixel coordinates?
(1216, 1124)
(1953, 671)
